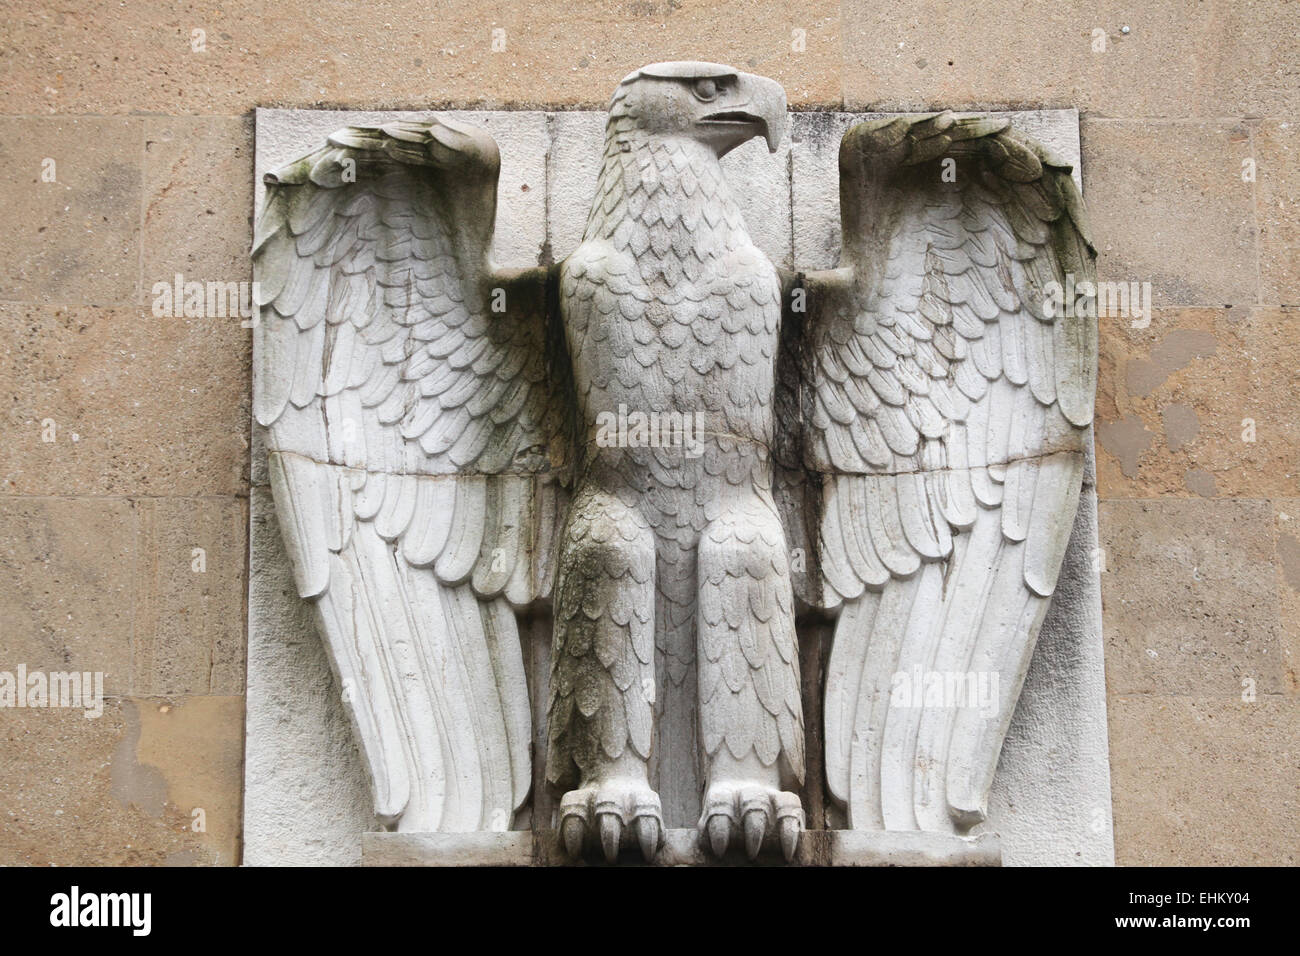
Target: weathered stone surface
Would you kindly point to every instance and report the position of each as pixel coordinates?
(1168, 206)
(196, 745)
(198, 197)
(1251, 53)
(572, 166)
(1211, 59)
(1277, 159)
(97, 61)
(151, 782)
(1190, 598)
(107, 585)
(1199, 404)
(1286, 512)
(306, 798)
(1217, 58)
(1205, 781)
(70, 568)
(139, 405)
(508, 848)
(74, 212)
(189, 634)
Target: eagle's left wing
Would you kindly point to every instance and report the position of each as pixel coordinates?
(944, 410)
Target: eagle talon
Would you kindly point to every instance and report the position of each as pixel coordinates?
(790, 828)
(764, 814)
(611, 834)
(573, 830)
(719, 831)
(649, 835)
(606, 816)
(755, 828)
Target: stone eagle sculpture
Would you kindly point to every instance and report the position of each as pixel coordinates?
(897, 444)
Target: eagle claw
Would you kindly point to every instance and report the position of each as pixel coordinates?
(611, 816)
(763, 814)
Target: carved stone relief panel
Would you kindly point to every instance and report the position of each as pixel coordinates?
(686, 483)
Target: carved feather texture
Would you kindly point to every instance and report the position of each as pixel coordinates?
(415, 435)
(945, 427)
(749, 664)
(602, 675)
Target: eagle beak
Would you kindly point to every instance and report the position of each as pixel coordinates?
(756, 108)
(767, 102)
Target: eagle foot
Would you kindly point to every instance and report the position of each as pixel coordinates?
(613, 815)
(762, 814)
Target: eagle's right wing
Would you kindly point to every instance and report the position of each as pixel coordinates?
(415, 431)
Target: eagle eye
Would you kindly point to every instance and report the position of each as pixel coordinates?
(705, 89)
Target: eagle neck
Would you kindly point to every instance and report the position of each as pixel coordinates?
(662, 196)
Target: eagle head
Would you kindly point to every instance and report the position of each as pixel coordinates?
(709, 102)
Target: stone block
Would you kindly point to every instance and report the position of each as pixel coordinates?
(135, 404)
(98, 58)
(1286, 513)
(307, 797)
(1190, 598)
(1205, 781)
(1168, 206)
(398, 55)
(149, 783)
(1214, 58)
(1199, 404)
(73, 234)
(189, 634)
(70, 569)
(1277, 165)
(198, 200)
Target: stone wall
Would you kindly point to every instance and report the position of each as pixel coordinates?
(126, 147)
